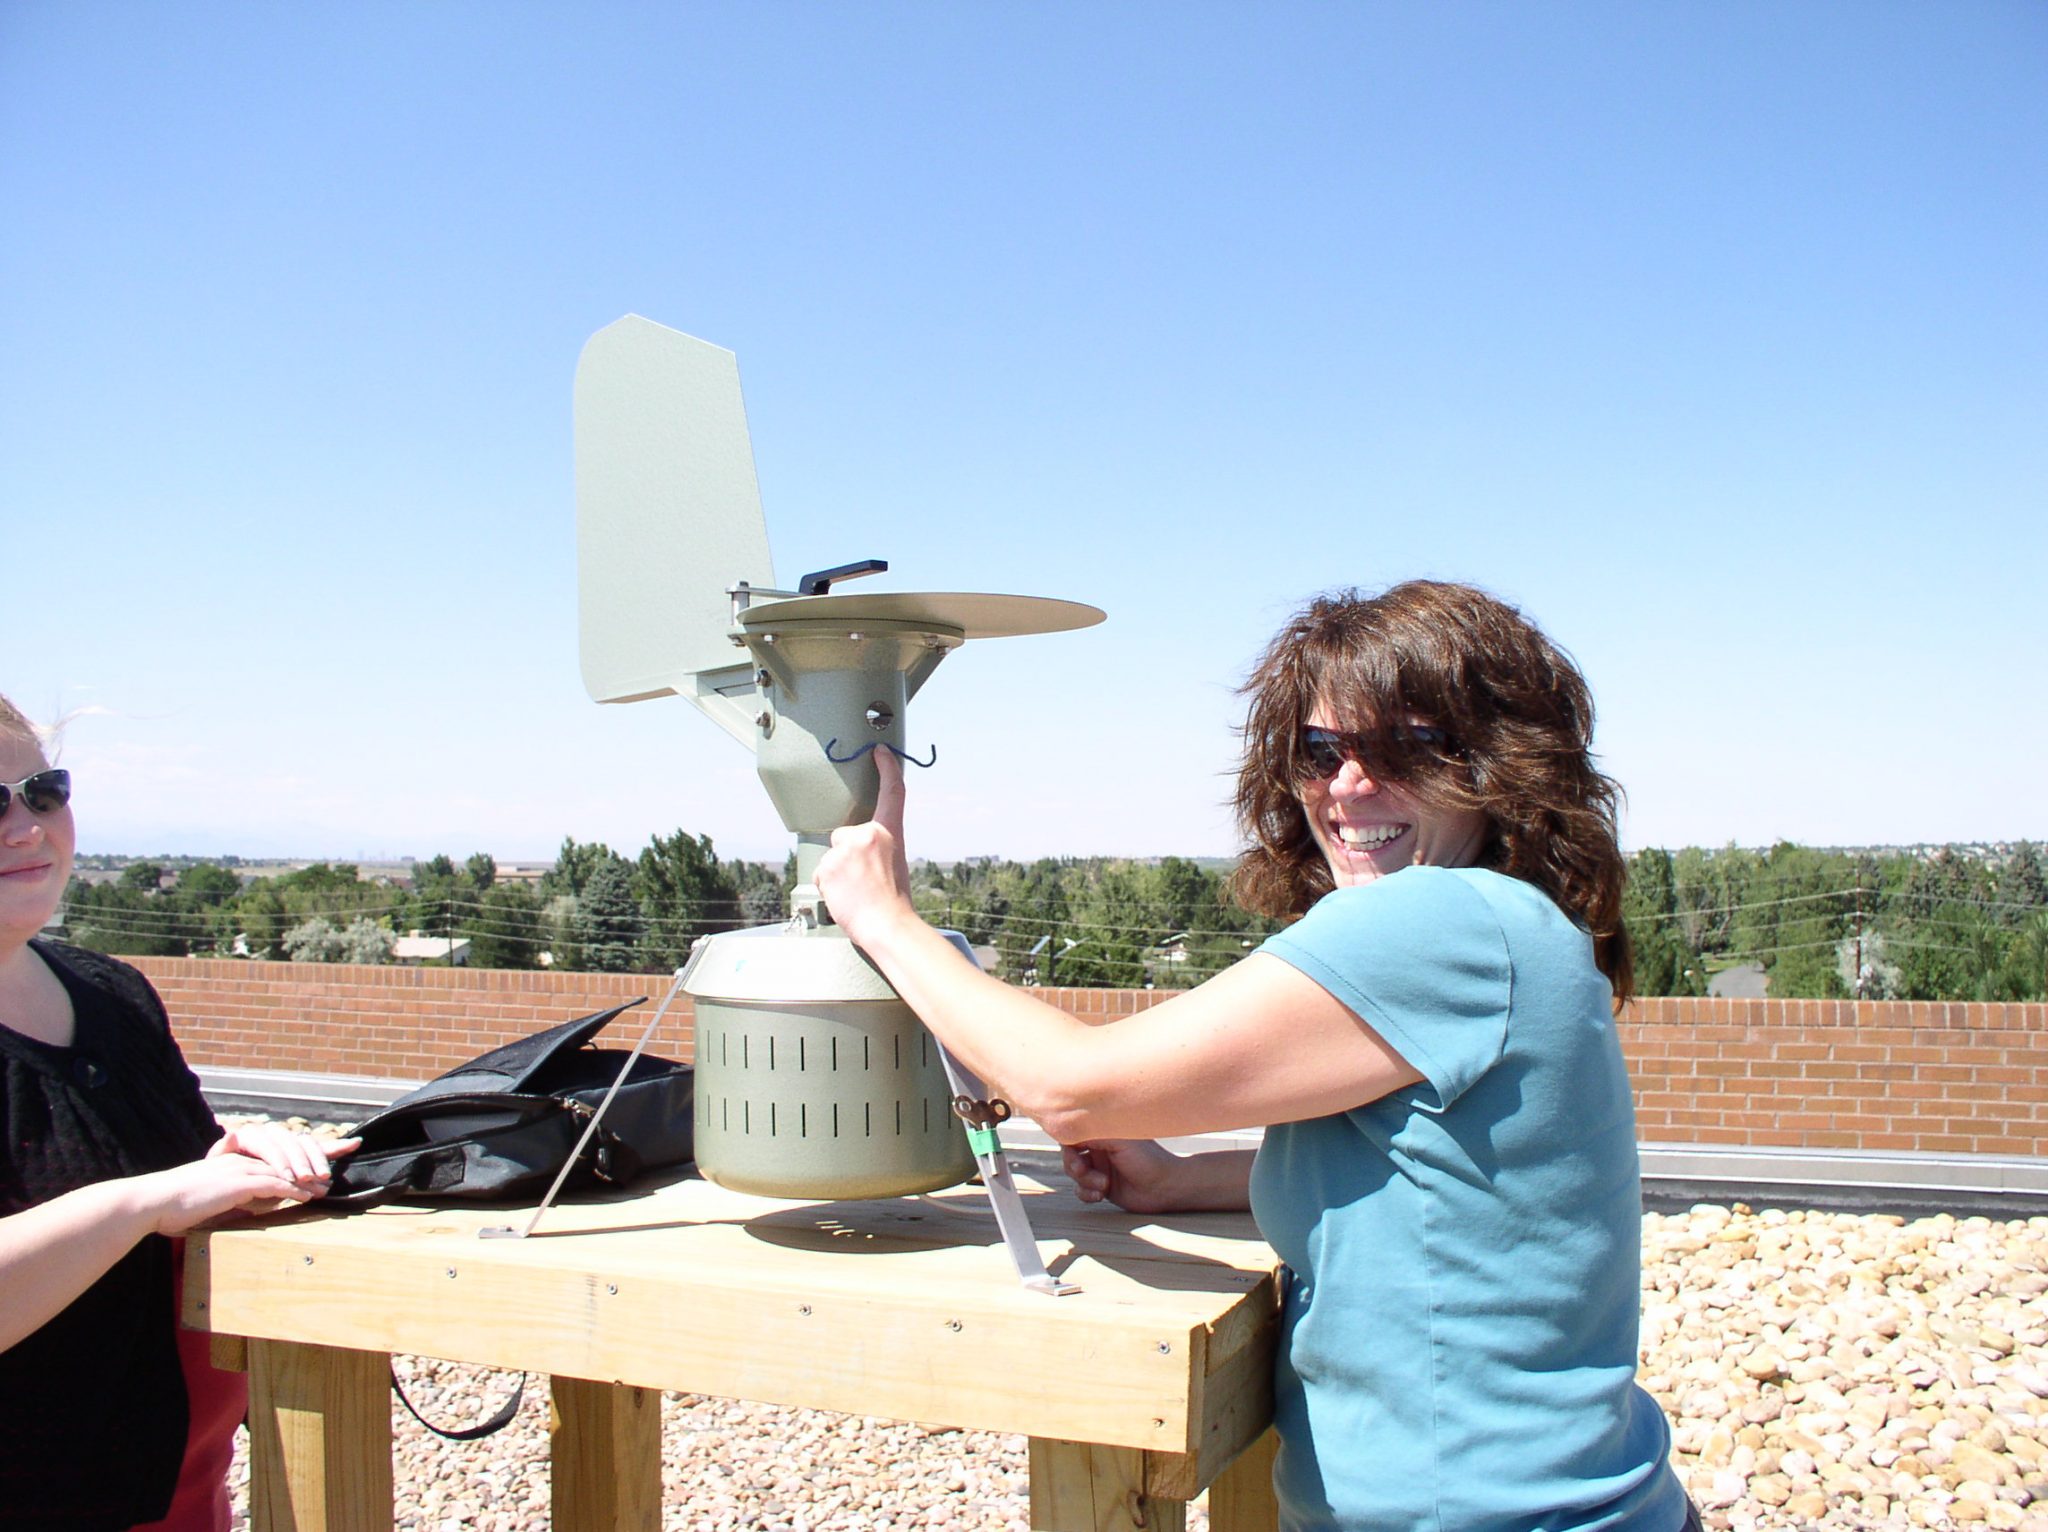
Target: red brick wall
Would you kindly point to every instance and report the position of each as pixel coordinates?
(1815, 1074)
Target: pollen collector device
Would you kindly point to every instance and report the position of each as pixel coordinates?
(813, 1079)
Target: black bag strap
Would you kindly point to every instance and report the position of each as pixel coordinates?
(491, 1427)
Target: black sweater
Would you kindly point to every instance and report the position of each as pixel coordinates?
(93, 1418)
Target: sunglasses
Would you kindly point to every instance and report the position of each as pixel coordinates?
(44, 793)
(1397, 751)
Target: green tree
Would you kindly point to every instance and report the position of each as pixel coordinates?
(609, 925)
(147, 877)
(685, 894)
(1664, 964)
(206, 885)
(507, 931)
(320, 940)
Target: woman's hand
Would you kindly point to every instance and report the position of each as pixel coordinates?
(865, 877)
(1140, 1176)
(176, 1200)
(300, 1158)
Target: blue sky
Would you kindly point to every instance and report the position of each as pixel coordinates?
(1712, 335)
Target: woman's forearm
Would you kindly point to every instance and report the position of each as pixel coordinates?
(52, 1252)
(1034, 1053)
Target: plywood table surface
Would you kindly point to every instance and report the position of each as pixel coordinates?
(1137, 1392)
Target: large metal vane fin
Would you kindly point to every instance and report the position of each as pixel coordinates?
(668, 509)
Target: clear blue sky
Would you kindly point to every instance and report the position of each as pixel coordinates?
(1713, 335)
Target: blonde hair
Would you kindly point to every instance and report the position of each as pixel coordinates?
(17, 724)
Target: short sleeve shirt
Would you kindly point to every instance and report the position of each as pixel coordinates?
(1460, 1329)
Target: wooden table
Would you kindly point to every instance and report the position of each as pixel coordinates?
(1149, 1385)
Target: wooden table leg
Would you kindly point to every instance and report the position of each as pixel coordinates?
(319, 1439)
(605, 1450)
(1083, 1487)
(1242, 1499)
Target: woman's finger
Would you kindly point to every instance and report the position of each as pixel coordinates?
(889, 797)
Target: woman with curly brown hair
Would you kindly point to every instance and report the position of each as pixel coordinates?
(1449, 1162)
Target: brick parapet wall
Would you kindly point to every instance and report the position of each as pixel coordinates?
(1813, 1074)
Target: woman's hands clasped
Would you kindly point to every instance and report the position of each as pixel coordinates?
(257, 1168)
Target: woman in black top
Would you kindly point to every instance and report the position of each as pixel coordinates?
(106, 1148)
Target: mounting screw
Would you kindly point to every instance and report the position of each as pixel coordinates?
(762, 678)
(611, 1289)
(804, 1309)
(308, 1260)
(764, 720)
(451, 1272)
(953, 1325)
(1166, 1348)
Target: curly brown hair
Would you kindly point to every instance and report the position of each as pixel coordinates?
(1518, 718)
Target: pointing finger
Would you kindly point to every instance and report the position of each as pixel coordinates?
(889, 797)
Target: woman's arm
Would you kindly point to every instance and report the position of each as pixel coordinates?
(1143, 1177)
(52, 1252)
(1260, 1043)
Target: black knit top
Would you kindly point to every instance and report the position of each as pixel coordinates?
(93, 1417)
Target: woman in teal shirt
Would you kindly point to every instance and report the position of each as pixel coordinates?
(1449, 1165)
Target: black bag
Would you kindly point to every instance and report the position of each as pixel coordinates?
(503, 1125)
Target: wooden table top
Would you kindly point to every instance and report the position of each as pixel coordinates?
(907, 1307)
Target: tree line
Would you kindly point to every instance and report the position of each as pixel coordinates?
(1954, 924)
(1948, 925)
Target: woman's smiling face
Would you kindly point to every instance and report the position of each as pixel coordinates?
(1367, 828)
(35, 849)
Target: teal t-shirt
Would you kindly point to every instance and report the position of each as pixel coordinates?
(1459, 1337)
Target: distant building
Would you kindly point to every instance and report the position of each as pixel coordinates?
(413, 947)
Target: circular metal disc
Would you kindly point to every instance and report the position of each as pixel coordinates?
(969, 614)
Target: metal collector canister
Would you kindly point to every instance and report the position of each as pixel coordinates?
(813, 1078)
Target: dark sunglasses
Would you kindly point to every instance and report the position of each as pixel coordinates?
(44, 793)
(1396, 751)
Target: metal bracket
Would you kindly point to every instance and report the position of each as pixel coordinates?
(979, 1114)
